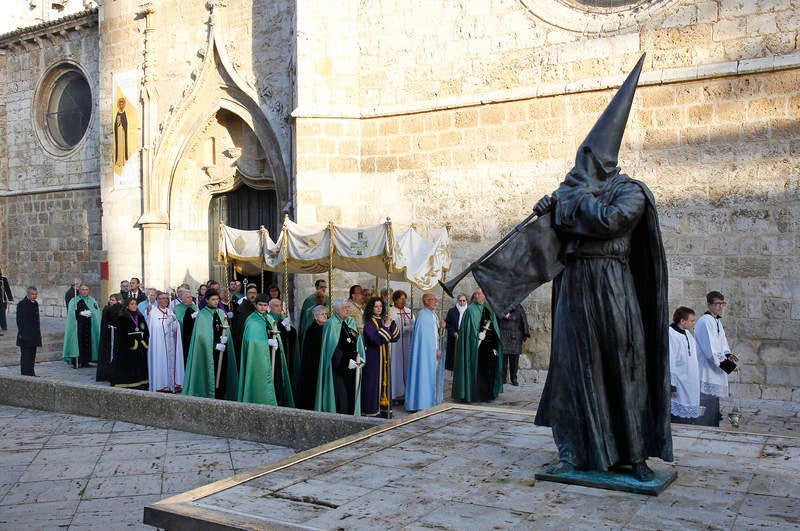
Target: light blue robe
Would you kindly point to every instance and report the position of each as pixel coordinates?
(422, 363)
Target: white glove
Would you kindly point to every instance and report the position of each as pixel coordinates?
(273, 342)
(360, 361)
(85, 313)
(230, 315)
(242, 300)
(220, 347)
(482, 336)
(224, 340)
(287, 323)
(352, 364)
(194, 315)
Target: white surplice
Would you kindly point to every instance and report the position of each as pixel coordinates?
(712, 344)
(684, 374)
(165, 351)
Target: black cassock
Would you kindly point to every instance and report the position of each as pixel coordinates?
(243, 311)
(186, 333)
(109, 342)
(344, 378)
(306, 381)
(84, 333)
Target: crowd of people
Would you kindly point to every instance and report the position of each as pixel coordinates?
(370, 354)
(225, 342)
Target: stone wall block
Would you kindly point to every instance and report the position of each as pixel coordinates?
(784, 267)
(776, 308)
(747, 267)
(777, 393)
(749, 221)
(746, 390)
(787, 219)
(761, 329)
(772, 353)
(783, 376)
(327, 213)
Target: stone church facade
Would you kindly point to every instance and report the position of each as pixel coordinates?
(427, 112)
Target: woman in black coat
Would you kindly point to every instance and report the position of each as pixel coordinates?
(306, 380)
(129, 368)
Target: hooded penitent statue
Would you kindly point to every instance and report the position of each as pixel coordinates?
(607, 391)
(597, 237)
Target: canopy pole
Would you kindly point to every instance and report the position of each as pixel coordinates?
(447, 227)
(263, 260)
(389, 260)
(224, 258)
(285, 264)
(330, 268)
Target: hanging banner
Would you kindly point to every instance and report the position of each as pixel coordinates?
(126, 132)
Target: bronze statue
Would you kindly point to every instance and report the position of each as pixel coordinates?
(598, 238)
(607, 391)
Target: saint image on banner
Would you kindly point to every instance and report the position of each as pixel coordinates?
(126, 130)
(121, 152)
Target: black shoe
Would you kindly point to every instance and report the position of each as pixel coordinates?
(515, 383)
(505, 381)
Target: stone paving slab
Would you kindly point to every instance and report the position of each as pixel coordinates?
(472, 467)
(71, 472)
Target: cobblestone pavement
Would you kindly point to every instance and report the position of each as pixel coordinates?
(71, 472)
(67, 471)
(468, 468)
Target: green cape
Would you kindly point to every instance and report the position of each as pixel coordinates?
(70, 348)
(465, 370)
(256, 383)
(199, 376)
(180, 312)
(326, 400)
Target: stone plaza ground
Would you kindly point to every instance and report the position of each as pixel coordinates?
(454, 467)
(62, 471)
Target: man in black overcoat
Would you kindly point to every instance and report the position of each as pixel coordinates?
(29, 333)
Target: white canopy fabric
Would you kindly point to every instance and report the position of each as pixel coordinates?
(358, 249)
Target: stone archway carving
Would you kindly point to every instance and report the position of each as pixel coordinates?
(216, 87)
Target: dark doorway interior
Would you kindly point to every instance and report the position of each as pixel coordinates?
(244, 208)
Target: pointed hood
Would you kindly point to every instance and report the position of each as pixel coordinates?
(605, 137)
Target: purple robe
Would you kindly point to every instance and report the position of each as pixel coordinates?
(376, 377)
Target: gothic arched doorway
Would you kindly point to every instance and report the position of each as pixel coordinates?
(244, 208)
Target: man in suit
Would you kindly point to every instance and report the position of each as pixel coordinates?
(135, 292)
(29, 333)
(5, 298)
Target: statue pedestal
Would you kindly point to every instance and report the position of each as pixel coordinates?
(612, 480)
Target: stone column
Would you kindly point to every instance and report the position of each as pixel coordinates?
(155, 243)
